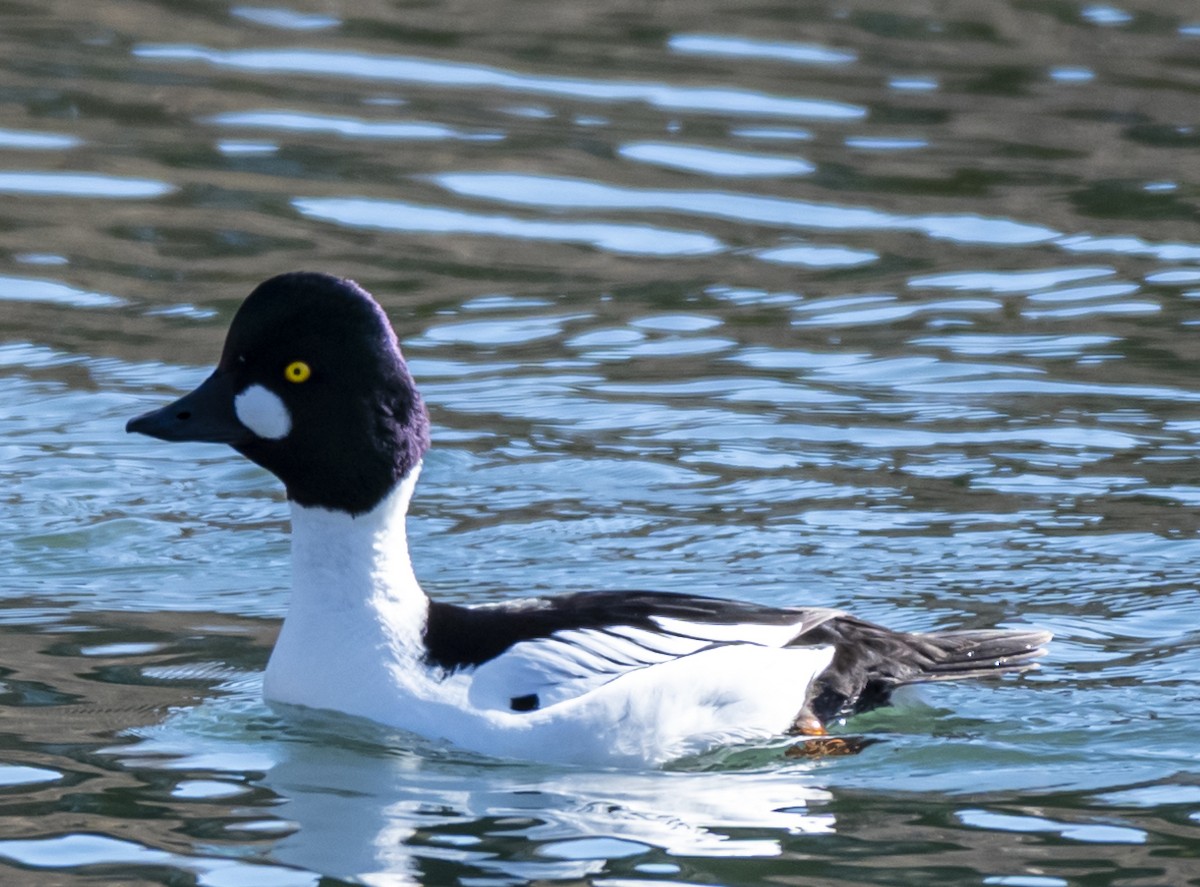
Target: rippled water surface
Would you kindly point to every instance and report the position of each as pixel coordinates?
(890, 307)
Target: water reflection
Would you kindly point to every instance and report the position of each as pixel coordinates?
(81, 184)
(818, 256)
(350, 127)
(37, 141)
(395, 215)
(459, 75)
(744, 47)
(713, 161)
(355, 809)
(286, 19)
(577, 194)
(1130, 245)
(82, 851)
(25, 289)
(1084, 293)
(771, 133)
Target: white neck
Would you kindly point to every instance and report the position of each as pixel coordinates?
(342, 561)
(354, 593)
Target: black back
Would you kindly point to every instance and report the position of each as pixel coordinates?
(463, 637)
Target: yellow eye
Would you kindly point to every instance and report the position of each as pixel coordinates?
(297, 371)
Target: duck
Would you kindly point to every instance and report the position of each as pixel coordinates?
(311, 385)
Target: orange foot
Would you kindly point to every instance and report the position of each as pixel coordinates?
(807, 725)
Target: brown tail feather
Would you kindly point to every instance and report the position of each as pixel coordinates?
(969, 654)
(870, 661)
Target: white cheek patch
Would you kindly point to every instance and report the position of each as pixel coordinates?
(263, 412)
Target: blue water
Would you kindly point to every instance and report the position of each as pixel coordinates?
(861, 307)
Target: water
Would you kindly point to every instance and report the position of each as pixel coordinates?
(860, 305)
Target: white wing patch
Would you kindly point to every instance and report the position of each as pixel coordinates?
(570, 663)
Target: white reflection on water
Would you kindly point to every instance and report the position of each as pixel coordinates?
(913, 84)
(243, 148)
(986, 344)
(771, 133)
(1007, 281)
(499, 331)
(40, 259)
(1101, 14)
(715, 161)
(74, 850)
(52, 292)
(395, 215)
(80, 184)
(876, 314)
(16, 774)
(1085, 293)
(567, 193)
(461, 75)
(1090, 832)
(1174, 277)
(1072, 74)
(747, 47)
(818, 256)
(350, 127)
(37, 141)
(1114, 309)
(877, 143)
(1130, 245)
(285, 19)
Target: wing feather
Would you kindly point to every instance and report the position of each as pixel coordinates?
(656, 643)
(571, 661)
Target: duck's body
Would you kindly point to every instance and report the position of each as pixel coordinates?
(583, 677)
(607, 677)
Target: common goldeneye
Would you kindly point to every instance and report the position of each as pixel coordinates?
(311, 385)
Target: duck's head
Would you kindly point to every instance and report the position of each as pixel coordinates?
(311, 385)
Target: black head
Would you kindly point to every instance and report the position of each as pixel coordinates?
(311, 385)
